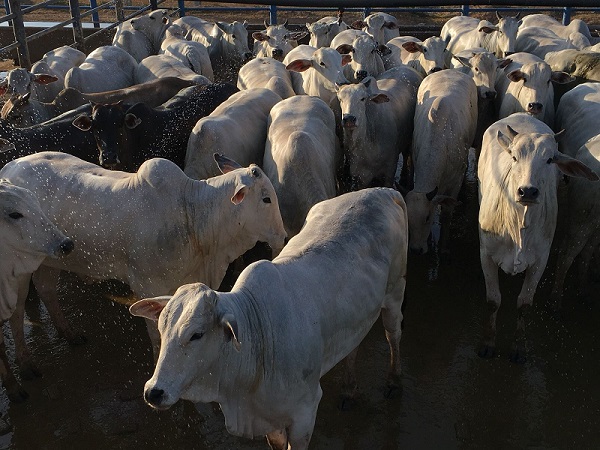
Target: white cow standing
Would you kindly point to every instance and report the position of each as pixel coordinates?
(382, 26)
(27, 237)
(577, 114)
(301, 157)
(260, 350)
(324, 30)
(55, 63)
(266, 73)
(191, 53)
(575, 26)
(425, 57)
(445, 123)
(276, 41)
(518, 173)
(377, 120)
(367, 56)
(165, 65)
(165, 229)
(105, 69)
(142, 36)
(237, 128)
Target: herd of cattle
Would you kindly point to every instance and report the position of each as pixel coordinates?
(143, 162)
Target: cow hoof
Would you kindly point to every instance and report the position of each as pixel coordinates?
(77, 339)
(517, 357)
(29, 372)
(17, 394)
(487, 352)
(346, 403)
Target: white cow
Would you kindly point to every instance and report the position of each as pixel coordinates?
(585, 65)
(464, 32)
(142, 36)
(425, 57)
(540, 41)
(165, 229)
(266, 73)
(321, 71)
(575, 27)
(55, 63)
(20, 81)
(382, 26)
(301, 157)
(445, 124)
(527, 87)
(367, 55)
(105, 69)
(377, 119)
(162, 66)
(237, 128)
(27, 238)
(518, 173)
(191, 53)
(227, 44)
(324, 30)
(260, 350)
(276, 41)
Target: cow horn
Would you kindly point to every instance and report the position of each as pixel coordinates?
(432, 194)
(285, 24)
(511, 132)
(498, 16)
(518, 15)
(558, 136)
(266, 23)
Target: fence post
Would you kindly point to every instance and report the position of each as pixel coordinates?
(77, 29)
(20, 35)
(153, 5)
(7, 8)
(181, 5)
(95, 17)
(566, 15)
(272, 14)
(464, 10)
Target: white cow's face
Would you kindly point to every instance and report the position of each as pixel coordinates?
(19, 81)
(235, 36)
(26, 230)
(152, 24)
(366, 60)
(484, 66)
(319, 34)
(328, 63)
(353, 100)
(273, 42)
(534, 87)
(420, 207)
(506, 36)
(194, 336)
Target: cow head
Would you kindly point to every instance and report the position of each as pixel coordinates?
(235, 38)
(376, 25)
(276, 41)
(432, 53)
(483, 67)
(17, 111)
(328, 63)
(366, 57)
(153, 25)
(534, 164)
(505, 35)
(322, 33)
(27, 231)
(197, 331)
(18, 81)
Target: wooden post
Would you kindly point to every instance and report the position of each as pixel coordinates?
(78, 36)
(20, 35)
(119, 10)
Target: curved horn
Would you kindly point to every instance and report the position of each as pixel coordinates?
(285, 24)
(432, 194)
(498, 16)
(511, 132)
(266, 23)
(518, 15)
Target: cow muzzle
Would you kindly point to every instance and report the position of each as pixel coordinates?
(277, 54)
(489, 95)
(155, 398)
(535, 108)
(527, 194)
(361, 75)
(349, 122)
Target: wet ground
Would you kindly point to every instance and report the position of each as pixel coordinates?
(90, 395)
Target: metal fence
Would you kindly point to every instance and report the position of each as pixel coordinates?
(15, 14)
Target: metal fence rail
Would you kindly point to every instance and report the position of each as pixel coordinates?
(14, 13)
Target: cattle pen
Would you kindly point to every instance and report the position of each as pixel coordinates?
(92, 395)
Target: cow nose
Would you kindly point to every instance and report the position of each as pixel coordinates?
(277, 53)
(528, 193)
(489, 95)
(361, 75)
(435, 69)
(534, 108)
(349, 121)
(153, 396)
(67, 246)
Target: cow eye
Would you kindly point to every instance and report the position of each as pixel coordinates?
(234, 37)
(196, 336)
(514, 158)
(267, 200)
(15, 215)
(476, 69)
(322, 63)
(255, 172)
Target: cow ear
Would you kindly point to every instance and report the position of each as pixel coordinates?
(132, 121)
(83, 122)
(344, 48)
(346, 59)
(573, 167)
(391, 25)
(6, 146)
(502, 63)
(380, 98)
(222, 26)
(431, 195)
(300, 65)
(245, 24)
(44, 78)
(504, 141)
(412, 47)
(516, 75)
(487, 30)
(383, 50)
(561, 77)
(464, 61)
(149, 308)
(240, 194)
(230, 329)
(257, 35)
(225, 164)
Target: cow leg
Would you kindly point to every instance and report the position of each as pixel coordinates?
(349, 384)
(391, 316)
(303, 422)
(533, 274)
(27, 369)
(278, 440)
(45, 280)
(493, 299)
(14, 391)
